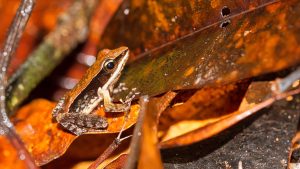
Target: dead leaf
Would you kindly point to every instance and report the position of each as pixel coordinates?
(247, 108)
(207, 105)
(144, 142)
(45, 139)
(149, 141)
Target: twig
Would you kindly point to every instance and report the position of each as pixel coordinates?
(286, 82)
(15, 32)
(19, 146)
(136, 139)
(12, 41)
(112, 147)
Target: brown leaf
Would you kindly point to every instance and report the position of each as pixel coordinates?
(97, 145)
(207, 105)
(144, 142)
(149, 142)
(255, 40)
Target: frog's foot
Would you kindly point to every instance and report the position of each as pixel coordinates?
(120, 88)
(128, 100)
(82, 123)
(131, 95)
(58, 107)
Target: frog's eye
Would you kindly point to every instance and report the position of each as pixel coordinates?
(109, 65)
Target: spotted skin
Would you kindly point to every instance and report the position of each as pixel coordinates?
(80, 123)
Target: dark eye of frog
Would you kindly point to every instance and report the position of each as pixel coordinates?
(109, 65)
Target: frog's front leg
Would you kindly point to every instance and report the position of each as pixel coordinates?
(82, 123)
(109, 106)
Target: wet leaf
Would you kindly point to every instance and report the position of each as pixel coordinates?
(103, 14)
(45, 139)
(80, 154)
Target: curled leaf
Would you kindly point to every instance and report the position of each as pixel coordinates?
(247, 108)
(205, 106)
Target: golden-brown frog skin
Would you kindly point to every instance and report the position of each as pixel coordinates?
(75, 110)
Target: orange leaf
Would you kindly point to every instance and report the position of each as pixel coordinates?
(9, 155)
(45, 139)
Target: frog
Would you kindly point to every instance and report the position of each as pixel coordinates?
(75, 110)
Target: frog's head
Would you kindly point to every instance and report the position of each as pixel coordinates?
(113, 64)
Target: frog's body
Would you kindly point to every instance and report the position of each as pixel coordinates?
(74, 110)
